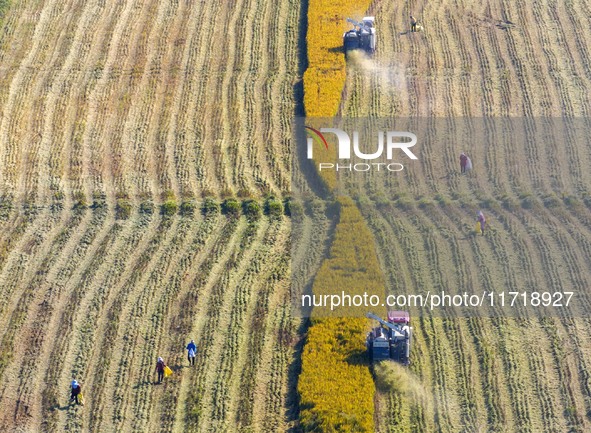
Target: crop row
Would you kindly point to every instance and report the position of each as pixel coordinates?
(343, 401)
(490, 256)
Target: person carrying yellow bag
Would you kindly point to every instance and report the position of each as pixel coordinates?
(161, 368)
(76, 393)
(481, 222)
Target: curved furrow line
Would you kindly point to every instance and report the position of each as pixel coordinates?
(529, 137)
(207, 327)
(74, 102)
(17, 306)
(16, 40)
(101, 111)
(128, 343)
(183, 163)
(27, 239)
(438, 370)
(154, 120)
(534, 91)
(182, 133)
(457, 41)
(201, 81)
(284, 70)
(441, 103)
(20, 96)
(68, 75)
(14, 230)
(136, 154)
(123, 157)
(225, 350)
(57, 309)
(577, 11)
(234, 353)
(196, 300)
(264, 38)
(478, 327)
(570, 133)
(249, 313)
(273, 413)
(214, 125)
(167, 64)
(490, 60)
(37, 299)
(229, 161)
(178, 327)
(554, 66)
(263, 372)
(152, 333)
(157, 237)
(248, 92)
(494, 87)
(553, 280)
(73, 344)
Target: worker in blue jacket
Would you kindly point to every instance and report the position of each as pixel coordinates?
(192, 352)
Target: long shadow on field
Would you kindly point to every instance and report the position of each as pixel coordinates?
(299, 161)
(358, 358)
(58, 407)
(295, 368)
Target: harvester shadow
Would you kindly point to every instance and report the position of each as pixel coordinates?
(358, 357)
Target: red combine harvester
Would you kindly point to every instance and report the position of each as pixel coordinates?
(390, 340)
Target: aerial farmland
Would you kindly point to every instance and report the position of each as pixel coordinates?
(154, 189)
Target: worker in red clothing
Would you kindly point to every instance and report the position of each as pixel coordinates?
(160, 365)
(463, 162)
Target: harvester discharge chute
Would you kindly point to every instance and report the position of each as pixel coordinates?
(361, 37)
(392, 339)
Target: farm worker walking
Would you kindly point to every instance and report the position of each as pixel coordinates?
(413, 24)
(482, 221)
(192, 352)
(160, 366)
(463, 162)
(76, 391)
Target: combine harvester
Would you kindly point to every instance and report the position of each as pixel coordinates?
(392, 339)
(361, 37)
